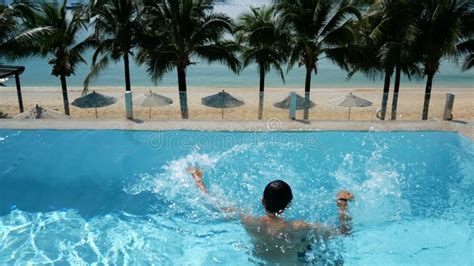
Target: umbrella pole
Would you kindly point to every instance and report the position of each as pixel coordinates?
(222, 113)
(349, 113)
(96, 113)
(149, 116)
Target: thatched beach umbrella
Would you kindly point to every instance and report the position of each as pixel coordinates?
(41, 113)
(300, 103)
(221, 100)
(151, 99)
(350, 101)
(94, 100)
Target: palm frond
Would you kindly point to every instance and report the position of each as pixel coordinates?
(95, 71)
(224, 53)
(117, 25)
(468, 62)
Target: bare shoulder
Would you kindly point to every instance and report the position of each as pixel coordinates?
(301, 225)
(305, 226)
(249, 220)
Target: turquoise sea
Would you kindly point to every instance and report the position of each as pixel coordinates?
(38, 72)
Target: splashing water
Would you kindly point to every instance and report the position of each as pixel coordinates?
(132, 202)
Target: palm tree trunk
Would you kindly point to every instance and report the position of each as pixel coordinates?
(426, 104)
(183, 97)
(307, 85)
(261, 94)
(307, 89)
(396, 89)
(386, 91)
(126, 63)
(65, 97)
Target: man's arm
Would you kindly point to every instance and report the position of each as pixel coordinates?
(198, 179)
(344, 227)
(197, 176)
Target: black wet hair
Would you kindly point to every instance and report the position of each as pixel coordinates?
(276, 196)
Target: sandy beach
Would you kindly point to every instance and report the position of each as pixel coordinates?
(409, 107)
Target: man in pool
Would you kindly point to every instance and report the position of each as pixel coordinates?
(275, 239)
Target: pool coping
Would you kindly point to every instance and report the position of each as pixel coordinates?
(464, 127)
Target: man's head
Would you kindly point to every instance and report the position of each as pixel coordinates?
(276, 196)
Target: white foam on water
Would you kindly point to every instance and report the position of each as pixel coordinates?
(379, 197)
(173, 183)
(176, 186)
(173, 177)
(460, 199)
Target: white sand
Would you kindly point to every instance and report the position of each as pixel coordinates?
(409, 107)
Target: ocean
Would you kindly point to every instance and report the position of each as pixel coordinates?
(38, 72)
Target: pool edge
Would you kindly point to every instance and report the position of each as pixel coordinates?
(465, 128)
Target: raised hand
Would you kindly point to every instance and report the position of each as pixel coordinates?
(197, 176)
(343, 197)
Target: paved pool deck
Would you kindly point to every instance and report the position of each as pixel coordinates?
(464, 127)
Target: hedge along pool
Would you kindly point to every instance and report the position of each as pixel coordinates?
(124, 196)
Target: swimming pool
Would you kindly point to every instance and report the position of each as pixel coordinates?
(124, 196)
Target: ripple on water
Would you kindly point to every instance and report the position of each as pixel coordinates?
(408, 205)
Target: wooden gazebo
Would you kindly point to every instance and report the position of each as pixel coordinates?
(8, 71)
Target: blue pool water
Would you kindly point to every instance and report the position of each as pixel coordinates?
(124, 197)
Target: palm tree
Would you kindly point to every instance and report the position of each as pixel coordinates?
(16, 37)
(318, 27)
(439, 30)
(467, 46)
(179, 31)
(394, 31)
(363, 55)
(263, 42)
(61, 41)
(8, 25)
(117, 25)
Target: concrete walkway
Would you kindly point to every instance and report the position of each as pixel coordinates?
(466, 128)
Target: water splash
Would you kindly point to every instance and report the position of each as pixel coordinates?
(380, 188)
